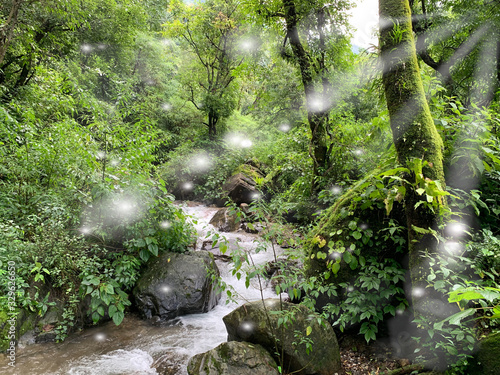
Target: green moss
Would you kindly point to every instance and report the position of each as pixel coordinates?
(24, 322)
(414, 133)
(4, 328)
(337, 217)
(249, 171)
(487, 359)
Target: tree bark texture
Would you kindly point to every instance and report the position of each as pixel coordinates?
(414, 136)
(319, 148)
(7, 29)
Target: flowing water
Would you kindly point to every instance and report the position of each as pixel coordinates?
(137, 346)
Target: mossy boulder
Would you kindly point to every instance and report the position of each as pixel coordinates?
(241, 187)
(282, 327)
(23, 323)
(487, 357)
(231, 358)
(177, 284)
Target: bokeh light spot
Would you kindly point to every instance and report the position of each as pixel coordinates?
(246, 143)
(418, 292)
(100, 337)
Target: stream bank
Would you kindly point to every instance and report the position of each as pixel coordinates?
(137, 346)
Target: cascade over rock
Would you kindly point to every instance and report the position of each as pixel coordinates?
(253, 322)
(177, 284)
(231, 358)
(224, 222)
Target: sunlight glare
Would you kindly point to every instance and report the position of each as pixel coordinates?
(100, 337)
(85, 230)
(336, 190)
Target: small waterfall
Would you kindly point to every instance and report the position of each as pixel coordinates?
(137, 347)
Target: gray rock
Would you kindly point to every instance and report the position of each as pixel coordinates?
(177, 284)
(240, 188)
(224, 222)
(233, 358)
(254, 323)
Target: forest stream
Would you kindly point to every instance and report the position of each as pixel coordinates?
(136, 346)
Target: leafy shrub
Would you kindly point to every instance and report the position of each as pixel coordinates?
(469, 275)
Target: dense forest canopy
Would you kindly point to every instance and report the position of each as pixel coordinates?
(384, 159)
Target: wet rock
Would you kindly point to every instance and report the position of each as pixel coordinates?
(224, 222)
(241, 187)
(231, 358)
(177, 284)
(254, 323)
(253, 228)
(47, 324)
(245, 208)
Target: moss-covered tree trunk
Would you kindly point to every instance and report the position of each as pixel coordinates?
(414, 136)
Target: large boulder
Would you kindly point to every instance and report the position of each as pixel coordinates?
(486, 360)
(18, 325)
(233, 358)
(224, 222)
(177, 284)
(241, 186)
(257, 323)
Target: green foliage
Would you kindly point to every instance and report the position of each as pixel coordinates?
(457, 38)
(472, 155)
(210, 32)
(80, 139)
(469, 275)
(375, 292)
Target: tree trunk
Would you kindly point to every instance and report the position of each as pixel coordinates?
(414, 136)
(317, 118)
(212, 125)
(7, 29)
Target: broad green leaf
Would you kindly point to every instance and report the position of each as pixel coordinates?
(335, 267)
(456, 318)
(118, 317)
(112, 310)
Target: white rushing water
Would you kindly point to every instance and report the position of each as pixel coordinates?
(138, 347)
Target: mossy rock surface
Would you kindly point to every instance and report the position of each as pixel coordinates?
(487, 357)
(24, 322)
(259, 323)
(233, 358)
